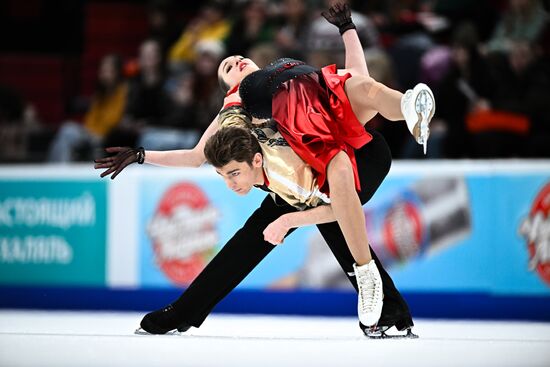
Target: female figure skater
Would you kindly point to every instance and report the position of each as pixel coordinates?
(321, 114)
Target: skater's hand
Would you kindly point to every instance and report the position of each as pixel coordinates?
(339, 15)
(276, 231)
(116, 163)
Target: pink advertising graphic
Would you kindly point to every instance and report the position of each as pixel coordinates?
(183, 232)
(536, 231)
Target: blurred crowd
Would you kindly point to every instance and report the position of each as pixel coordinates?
(486, 61)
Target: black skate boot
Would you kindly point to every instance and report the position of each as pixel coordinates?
(162, 321)
(378, 331)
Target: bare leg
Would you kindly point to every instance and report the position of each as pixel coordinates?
(347, 207)
(369, 97)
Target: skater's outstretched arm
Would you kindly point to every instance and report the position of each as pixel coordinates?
(355, 56)
(185, 157)
(124, 156)
(276, 231)
(340, 15)
(195, 157)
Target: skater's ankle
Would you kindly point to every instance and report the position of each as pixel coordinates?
(364, 262)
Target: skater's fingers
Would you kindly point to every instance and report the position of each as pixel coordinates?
(104, 165)
(114, 149)
(118, 170)
(107, 172)
(123, 165)
(268, 237)
(104, 160)
(115, 174)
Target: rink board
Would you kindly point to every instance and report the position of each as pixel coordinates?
(460, 239)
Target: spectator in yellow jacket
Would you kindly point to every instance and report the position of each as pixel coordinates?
(209, 24)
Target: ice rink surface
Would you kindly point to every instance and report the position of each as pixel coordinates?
(36, 338)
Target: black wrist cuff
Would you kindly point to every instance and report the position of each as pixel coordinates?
(140, 155)
(346, 27)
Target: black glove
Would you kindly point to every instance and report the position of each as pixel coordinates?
(339, 15)
(116, 163)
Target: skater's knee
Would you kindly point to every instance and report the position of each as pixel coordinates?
(364, 95)
(372, 88)
(340, 171)
(368, 85)
(340, 163)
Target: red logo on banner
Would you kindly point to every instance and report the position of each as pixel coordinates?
(183, 232)
(536, 230)
(403, 230)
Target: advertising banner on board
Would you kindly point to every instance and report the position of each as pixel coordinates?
(463, 233)
(53, 232)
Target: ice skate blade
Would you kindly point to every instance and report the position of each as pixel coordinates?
(140, 331)
(425, 108)
(381, 334)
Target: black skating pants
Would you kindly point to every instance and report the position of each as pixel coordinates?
(247, 248)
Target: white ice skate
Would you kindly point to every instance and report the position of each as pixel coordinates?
(369, 305)
(418, 107)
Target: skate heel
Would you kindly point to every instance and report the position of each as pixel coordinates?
(162, 321)
(141, 331)
(183, 328)
(410, 334)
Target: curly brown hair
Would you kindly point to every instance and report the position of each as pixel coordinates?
(231, 144)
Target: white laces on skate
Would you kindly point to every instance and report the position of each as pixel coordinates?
(370, 291)
(369, 305)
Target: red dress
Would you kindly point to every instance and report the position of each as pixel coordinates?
(317, 120)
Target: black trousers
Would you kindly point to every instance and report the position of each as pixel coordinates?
(247, 248)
